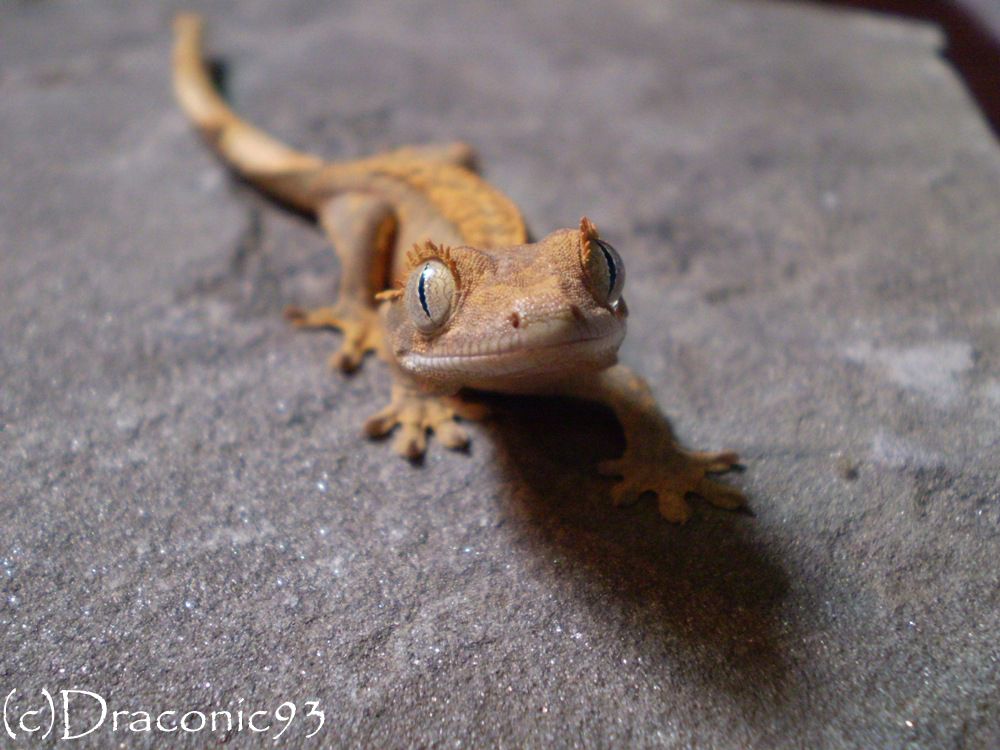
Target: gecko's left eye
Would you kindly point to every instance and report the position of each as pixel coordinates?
(430, 293)
(607, 272)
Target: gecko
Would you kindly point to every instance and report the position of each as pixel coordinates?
(440, 280)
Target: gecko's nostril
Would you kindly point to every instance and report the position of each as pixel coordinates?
(577, 312)
(515, 319)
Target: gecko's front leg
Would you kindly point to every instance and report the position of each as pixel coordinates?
(362, 231)
(415, 413)
(653, 460)
(357, 323)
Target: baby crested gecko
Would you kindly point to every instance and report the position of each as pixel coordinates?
(472, 306)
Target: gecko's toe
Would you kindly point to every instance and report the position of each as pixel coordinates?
(358, 341)
(673, 507)
(411, 442)
(451, 435)
(720, 495)
(716, 463)
(346, 359)
(624, 493)
(381, 424)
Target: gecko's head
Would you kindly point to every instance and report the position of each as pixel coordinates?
(509, 318)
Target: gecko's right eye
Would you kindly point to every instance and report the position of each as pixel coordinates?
(430, 293)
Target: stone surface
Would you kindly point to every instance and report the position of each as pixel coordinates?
(809, 205)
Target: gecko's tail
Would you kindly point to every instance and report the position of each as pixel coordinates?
(287, 174)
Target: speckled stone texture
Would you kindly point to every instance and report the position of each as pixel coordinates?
(809, 207)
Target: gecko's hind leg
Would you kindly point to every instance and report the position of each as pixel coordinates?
(362, 229)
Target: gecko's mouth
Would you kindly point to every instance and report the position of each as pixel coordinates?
(550, 350)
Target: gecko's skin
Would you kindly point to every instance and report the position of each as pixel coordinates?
(438, 278)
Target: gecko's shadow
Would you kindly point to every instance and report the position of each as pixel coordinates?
(709, 585)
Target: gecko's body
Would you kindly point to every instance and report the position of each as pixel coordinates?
(473, 304)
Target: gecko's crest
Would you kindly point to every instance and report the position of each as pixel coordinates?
(588, 232)
(429, 251)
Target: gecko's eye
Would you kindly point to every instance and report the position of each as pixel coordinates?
(430, 293)
(607, 272)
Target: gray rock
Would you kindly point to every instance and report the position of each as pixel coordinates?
(809, 205)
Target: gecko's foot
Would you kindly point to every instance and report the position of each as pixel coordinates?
(671, 474)
(417, 413)
(359, 324)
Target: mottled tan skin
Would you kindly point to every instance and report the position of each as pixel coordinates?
(525, 317)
